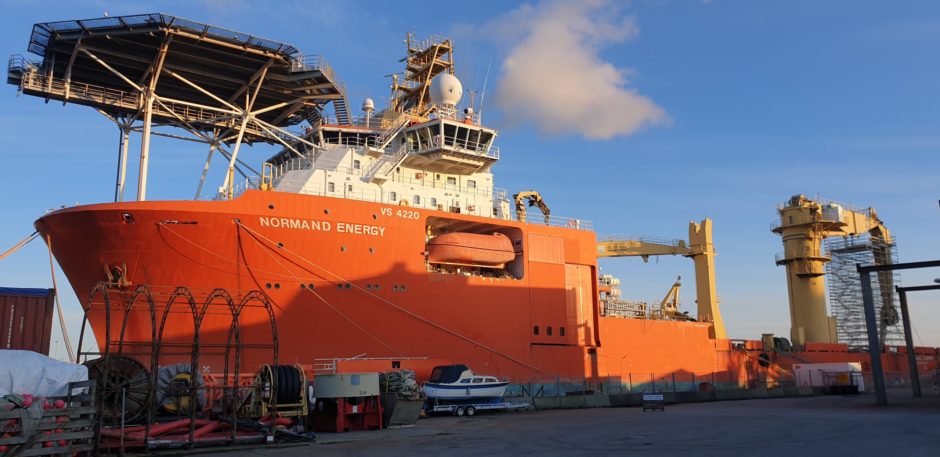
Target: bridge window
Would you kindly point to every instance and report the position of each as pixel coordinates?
(451, 181)
(357, 165)
(433, 202)
(330, 187)
(471, 184)
(393, 196)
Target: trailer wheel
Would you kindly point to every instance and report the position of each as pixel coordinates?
(459, 411)
(471, 410)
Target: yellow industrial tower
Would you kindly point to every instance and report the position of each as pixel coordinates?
(804, 224)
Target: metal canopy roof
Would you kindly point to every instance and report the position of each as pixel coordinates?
(206, 71)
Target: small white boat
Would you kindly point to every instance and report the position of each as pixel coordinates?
(458, 382)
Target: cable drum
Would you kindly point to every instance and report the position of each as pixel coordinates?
(173, 385)
(283, 383)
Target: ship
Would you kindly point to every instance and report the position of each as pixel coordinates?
(379, 237)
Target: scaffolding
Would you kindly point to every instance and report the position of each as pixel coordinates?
(845, 294)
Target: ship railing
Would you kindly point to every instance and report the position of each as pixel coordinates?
(329, 365)
(819, 218)
(648, 240)
(370, 122)
(316, 62)
(456, 144)
(558, 221)
(20, 64)
(33, 80)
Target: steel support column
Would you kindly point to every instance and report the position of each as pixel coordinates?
(122, 162)
(909, 342)
(874, 348)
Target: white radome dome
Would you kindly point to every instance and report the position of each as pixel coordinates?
(446, 90)
(368, 105)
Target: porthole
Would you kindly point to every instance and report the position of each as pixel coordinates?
(270, 205)
(267, 286)
(326, 211)
(310, 286)
(277, 285)
(371, 250)
(342, 249)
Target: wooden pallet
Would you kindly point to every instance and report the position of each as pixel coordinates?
(78, 431)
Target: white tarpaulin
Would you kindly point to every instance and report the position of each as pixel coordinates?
(28, 372)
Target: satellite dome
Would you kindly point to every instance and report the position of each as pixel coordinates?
(368, 105)
(446, 90)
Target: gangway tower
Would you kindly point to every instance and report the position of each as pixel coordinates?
(151, 71)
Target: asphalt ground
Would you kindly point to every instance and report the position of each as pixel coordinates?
(823, 426)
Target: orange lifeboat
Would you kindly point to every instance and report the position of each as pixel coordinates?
(473, 249)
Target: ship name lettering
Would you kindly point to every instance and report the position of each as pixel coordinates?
(360, 229)
(299, 224)
(322, 226)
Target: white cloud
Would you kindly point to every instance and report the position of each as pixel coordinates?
(555, 78)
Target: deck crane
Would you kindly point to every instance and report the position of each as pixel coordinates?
(534, 199)
(669, 306)
(699, 248)
(804, 223)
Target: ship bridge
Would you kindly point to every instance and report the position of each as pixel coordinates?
(155, 70)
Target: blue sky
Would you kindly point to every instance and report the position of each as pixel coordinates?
(679, 110)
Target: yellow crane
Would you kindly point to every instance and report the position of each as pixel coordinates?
(700, 248)
(804, 224)
(534, 199)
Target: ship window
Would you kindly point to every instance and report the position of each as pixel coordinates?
(393, 196)
(349, 187)
(548, 331)
(535, 330)
(465, 381)
(561, 331)
(491, 380)
(330, 187)
(357, 165)
(477, 380)
(433, 202)
(471, 184)
(452, 180)
(417, 200)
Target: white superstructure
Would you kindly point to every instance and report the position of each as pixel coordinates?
(441, 161)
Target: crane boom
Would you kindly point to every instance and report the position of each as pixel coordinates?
(699, 248)
(535, 199)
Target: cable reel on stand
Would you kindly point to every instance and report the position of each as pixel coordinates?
(281, 390)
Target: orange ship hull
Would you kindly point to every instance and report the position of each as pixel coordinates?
(350, 278)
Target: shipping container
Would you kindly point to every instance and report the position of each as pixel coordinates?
(26, 318)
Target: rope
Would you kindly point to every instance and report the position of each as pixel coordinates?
(19, 245)
(58, 304)
(296, 278)
(290, 274)
(404, 310)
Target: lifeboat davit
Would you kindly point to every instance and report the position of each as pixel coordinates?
(472, 249)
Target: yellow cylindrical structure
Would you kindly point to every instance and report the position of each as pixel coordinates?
(802, 226)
